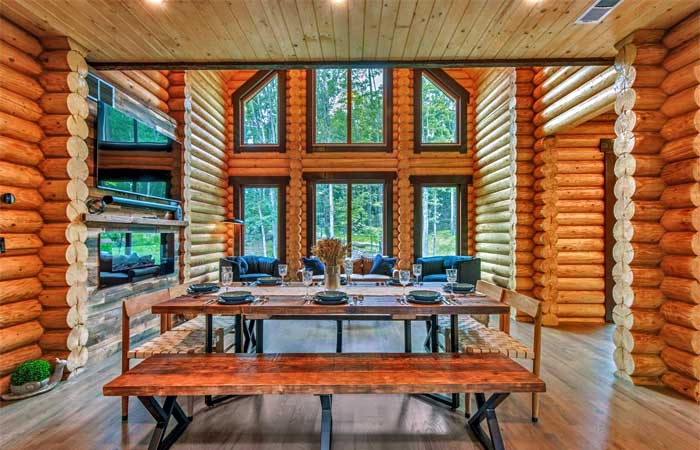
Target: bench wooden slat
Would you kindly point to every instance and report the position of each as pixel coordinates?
(350, 373)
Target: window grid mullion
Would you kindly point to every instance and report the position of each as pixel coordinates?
(349, 103)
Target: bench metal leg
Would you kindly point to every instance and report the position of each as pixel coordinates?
(339, 336)
(162, 415)
(487, 411)
(407, 338)
(326, 421)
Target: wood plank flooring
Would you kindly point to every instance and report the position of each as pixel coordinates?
(585, 406)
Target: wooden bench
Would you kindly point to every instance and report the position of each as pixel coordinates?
(188, 337)
(322, 374)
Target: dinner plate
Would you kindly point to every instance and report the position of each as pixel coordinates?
(241, 301)
(235, 295)
(412, 299)
(330, 295)
(425, 295)
(203, 288)
(338, 301)
(269, 281)
(396, 282)
(459, 287)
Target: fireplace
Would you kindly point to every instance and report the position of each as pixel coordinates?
(130, 257)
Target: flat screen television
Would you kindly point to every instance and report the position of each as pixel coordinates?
(131, 156)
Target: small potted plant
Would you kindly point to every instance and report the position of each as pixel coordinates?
(30, 376)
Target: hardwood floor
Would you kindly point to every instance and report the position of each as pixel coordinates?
(585, 407)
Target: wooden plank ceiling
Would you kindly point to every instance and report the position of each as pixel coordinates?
(339, 30)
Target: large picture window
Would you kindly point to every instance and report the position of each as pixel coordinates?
(440, 215)
(259, 112)
(349, 109)
(440, 111)
(154, 183)
(352, 208)
(259, 201)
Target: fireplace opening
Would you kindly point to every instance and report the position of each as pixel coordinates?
(129, 257)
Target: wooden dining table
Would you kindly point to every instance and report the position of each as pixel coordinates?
(368, 300)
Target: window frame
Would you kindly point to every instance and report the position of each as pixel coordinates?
(384, 178)
(239, 183)
(461, 182)
(247, 91)
(387, 109)
(454, 90)
(103, 144)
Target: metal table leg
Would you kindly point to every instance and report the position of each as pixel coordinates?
(453, 400)
(339, 336)
(487, 411)
(259, 335)
(238, 338)
(434, 344)
(170, 408)
(213, 400)
(407, 338)
(209, 325)
(326, 421)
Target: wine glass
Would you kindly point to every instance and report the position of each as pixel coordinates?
(307, 277)
(417, 270)
(451, 278)
(348, 271)
(283, 270)
(404, 279)
(226, 277)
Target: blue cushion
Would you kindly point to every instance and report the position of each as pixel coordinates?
(267, 265)
(382, 265)
(242, 263)
(314, 264)
(432, 265)
(436, 277)
(451, 261)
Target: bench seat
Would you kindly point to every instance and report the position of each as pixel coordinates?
(475, 337)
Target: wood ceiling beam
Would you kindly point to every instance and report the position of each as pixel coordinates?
(285, 65)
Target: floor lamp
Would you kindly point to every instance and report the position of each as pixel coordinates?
(236, 235)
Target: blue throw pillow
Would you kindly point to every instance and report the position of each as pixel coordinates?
(382, 265)
(242, 263)
(432, 265)
(314, 264)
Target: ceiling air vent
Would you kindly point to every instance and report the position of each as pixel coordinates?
(598, 11)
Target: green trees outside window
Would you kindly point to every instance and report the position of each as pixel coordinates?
(122, 129)
(365, 207)
(349, 106)
(439, 210)
(261, 111)
(261, 215)
(439, 114)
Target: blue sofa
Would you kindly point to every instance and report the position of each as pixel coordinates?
(435, 267)
(250, 267)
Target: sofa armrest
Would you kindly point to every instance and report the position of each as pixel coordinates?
(469, 271)
(234, 265)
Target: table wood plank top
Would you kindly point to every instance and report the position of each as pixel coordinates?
(473, 303)
(324, 373)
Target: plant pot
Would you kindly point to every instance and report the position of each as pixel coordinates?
(331, 278)
(28, 388)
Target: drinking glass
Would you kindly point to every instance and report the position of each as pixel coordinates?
(283, 270)
(404, 279)
(348, 271)
(307, 277)
(417, 270)
(451, 278)
(226, 277)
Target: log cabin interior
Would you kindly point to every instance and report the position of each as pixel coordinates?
(545, 151)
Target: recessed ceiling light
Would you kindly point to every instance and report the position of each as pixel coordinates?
(154, 2)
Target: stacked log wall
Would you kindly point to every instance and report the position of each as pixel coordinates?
(149, 87)
(638, 211)
(494, 176)
(580, 205)
(20, 222)
(65, 191)
(525, 180)
(681, 198)
(565, 100)
(205, 160)
(296, 191)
